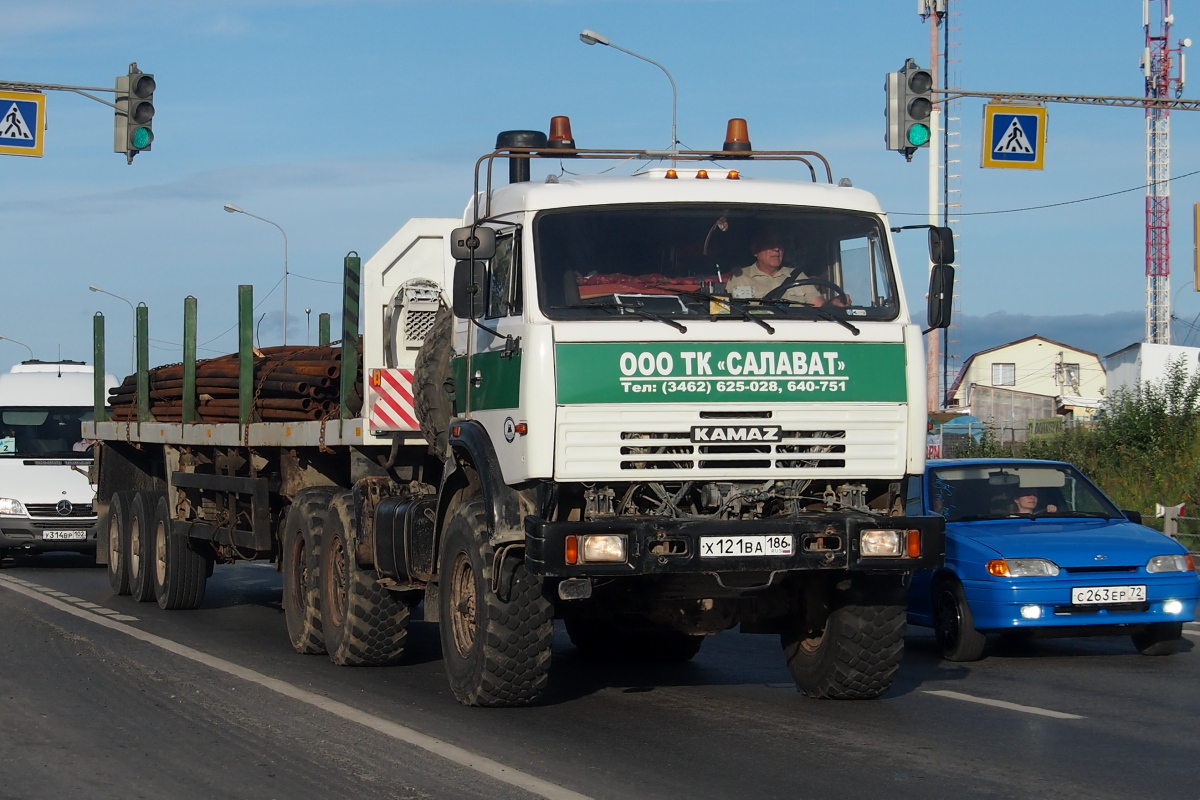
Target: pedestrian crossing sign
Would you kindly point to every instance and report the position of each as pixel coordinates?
(1014, 137)
(22, 123)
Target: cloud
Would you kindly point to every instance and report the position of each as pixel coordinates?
(1101, 334)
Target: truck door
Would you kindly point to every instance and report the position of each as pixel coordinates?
(494, 369)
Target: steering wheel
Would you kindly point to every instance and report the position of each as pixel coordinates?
(778, 292)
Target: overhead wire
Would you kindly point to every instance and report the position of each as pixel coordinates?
(1050, 205)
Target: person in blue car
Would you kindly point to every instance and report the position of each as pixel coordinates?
(1027, 501)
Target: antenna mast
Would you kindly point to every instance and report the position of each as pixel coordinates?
(1157, 67)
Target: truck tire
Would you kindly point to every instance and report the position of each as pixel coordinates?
(365, 625)
(602, 638)
(854, 658)
(179, 573)
(300, 546)
(954, 625)
(139, 534)
(433, 383)
(118, 542)
(496, 651)
(1159, 638)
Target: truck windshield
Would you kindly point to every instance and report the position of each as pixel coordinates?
(705, 260)
(43, 431)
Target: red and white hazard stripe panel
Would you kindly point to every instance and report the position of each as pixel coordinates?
(392, 401)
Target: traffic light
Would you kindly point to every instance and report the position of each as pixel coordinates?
(909, 105)
(133, 120)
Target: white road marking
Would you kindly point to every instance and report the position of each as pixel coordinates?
(1195, 634)
(1044, 712)
(481, 764)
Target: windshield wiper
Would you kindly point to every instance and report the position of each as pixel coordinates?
(633, 309)
(1088, 514)
(738, 311)
(818, 310)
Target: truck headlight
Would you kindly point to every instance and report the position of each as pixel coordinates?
(594, 548)
(603, 547)
(1156, 564)
(1022, 568)
(888, 543)
(11, 508)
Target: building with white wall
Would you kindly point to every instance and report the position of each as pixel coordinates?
(1026, 379)
(1144, 362)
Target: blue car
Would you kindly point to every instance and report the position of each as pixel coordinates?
(1033, 548)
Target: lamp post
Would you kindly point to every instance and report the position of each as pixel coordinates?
(133, 338)
(591, 37)
(232, 209)
(308, 319)
(14, 341)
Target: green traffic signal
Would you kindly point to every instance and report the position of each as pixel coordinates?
(918, 135)
(142, 137)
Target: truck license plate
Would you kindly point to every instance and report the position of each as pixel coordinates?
(69, 536)
(735, 546)
(1095, 595)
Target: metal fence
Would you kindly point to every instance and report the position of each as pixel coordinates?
(1184, 529)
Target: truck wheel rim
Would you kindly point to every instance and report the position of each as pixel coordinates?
(300, 568)
(462, 605)
(338, 561)
(114, 547)
(160, 553)
(135, 548)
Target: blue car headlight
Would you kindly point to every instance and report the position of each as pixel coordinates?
(1170, 564)
(1022, 568)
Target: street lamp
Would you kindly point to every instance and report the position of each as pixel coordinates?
(308, 319)
(232, 209)
(591, 37)
(14, 341)
(133, 338)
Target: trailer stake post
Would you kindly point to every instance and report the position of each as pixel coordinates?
(189, 359)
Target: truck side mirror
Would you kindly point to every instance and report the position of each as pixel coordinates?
(468, 289)
(941, 295)
(941, 245)
(474, 241)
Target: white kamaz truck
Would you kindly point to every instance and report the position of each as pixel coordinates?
(574, 408)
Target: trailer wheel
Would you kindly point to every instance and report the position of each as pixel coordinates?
(496, 651)
(179, 573)
(140, 535)
(855, 657)
(118, 542)
(301, 555)
(365, 624)
(433, 383)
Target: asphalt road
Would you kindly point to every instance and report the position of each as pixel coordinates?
(103, 697)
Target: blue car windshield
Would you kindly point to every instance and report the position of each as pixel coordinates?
(1007, 489)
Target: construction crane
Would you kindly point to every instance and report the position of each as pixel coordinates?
(1162, 81)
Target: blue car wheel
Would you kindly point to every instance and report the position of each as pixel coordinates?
(1159, 638)
(954, 624)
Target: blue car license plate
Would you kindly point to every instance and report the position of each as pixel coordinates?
(1096, 595)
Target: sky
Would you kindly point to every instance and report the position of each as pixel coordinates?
(340, 119)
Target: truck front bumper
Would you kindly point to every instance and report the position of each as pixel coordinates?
(48, 533)
(666, 546)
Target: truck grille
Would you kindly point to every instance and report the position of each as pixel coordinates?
(51, 510)
(623, 442)
(798, 450)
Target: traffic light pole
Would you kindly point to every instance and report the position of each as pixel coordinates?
(15, 86)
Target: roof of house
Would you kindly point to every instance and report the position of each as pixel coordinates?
(953, 390)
